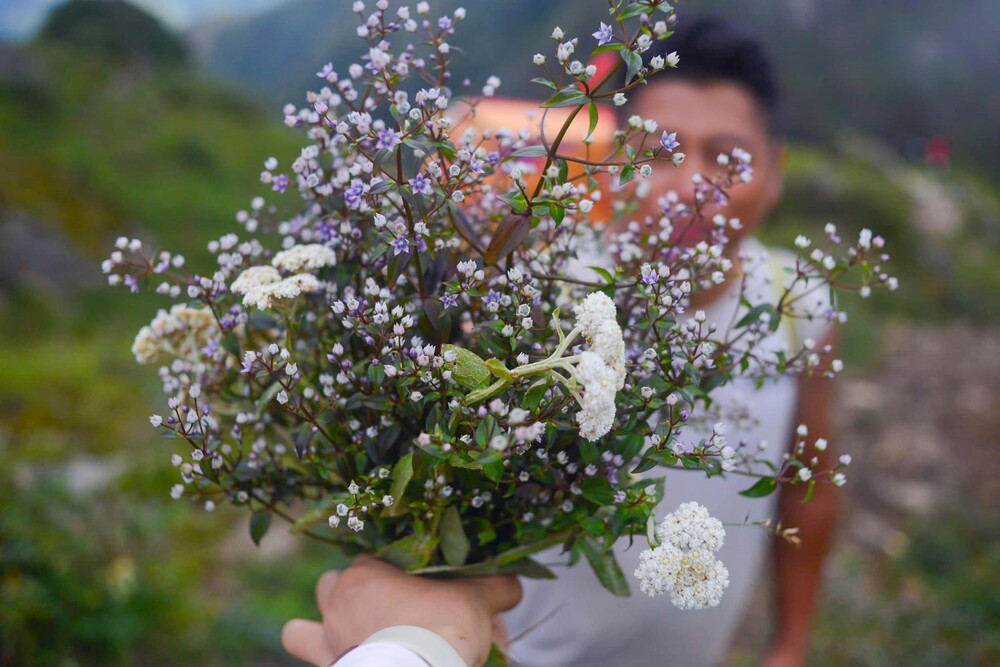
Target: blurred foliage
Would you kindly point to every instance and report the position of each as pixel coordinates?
(92, 146)
(936, 604)
(114, 29)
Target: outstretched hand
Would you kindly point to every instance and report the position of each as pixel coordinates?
(371, 595)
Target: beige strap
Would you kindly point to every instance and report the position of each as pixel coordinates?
(430, 646)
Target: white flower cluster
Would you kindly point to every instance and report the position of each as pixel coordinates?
(684, 564)
(306, 257)
(601, 370)
(182, 332)
(262, 285)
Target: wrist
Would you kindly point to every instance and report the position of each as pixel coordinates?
(435, 648)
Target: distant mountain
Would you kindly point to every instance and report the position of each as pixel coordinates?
(902, 70)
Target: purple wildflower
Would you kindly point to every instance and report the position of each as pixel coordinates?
(604, 35)
(387, 139)
(669, 141)
(399, 245)
(444, 23)
(421, 185)
(326, 71)
(132, 284)
(355, 194)
(280, 183)
(449, 300)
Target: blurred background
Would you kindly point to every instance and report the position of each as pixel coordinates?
(152, 119)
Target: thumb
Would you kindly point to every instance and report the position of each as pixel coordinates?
(305, 640)
(500, 592)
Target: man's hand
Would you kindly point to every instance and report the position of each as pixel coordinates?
(371, 595)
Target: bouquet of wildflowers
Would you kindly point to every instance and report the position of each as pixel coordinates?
(417, 351)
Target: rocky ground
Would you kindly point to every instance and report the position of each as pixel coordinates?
(922, 430)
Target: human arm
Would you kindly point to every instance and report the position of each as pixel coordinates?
(798, 567)
(371, 596)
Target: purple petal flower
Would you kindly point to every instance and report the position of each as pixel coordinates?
(326, 71)
(280, 183)
(604, 35)
(420, 184)
(669, 141)
(387, 139)
(449, 300)
(399, 245)
(354, 195)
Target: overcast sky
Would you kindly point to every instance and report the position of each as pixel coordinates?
(20, 18)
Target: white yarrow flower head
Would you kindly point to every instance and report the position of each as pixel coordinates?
(260, 289)
(597, 319)
(690, 527)
(255, 277)
(684, 564)
(597, 407)
(308, 257)
(694, 579)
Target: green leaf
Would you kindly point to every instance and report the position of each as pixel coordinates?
(570, 96)
(534, 396)
(528, 567)
(558, 213)
(633, 63)
(544, 82)
(765, 486)
(598, 490)
(810, 490)
(410, 552)
(605, 566)
(628, 173)
(266, 396)
(468, 369)
(604, 273)
(496, 367)
(493, 471)
(592, 108)
(402, 473)
(634, 10)
(754, 314)
(454, 544)
(259, 523)
(529, 151)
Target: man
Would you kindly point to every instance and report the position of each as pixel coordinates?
(722, 96)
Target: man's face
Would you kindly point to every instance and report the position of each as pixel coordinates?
(711, 118)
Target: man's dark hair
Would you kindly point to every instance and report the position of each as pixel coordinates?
(713, 49)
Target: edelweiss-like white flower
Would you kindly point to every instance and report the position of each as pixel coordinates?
(182, 332)
(596, 317)
(690, 526)
(694, 579)
(264, 295)
(309, 257)
(597, 408)
(254, 277)
(684, 564)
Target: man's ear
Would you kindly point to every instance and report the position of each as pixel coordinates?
(775, 186)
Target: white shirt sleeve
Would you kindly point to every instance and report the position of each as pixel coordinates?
(381, 654)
